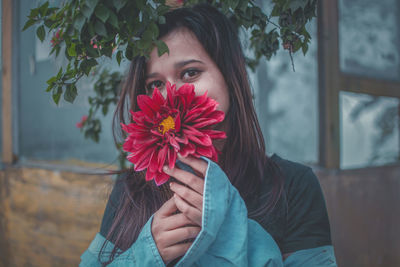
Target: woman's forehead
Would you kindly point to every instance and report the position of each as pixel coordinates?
(183, 46)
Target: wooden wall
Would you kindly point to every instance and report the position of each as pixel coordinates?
(48, 218)
(364, 212)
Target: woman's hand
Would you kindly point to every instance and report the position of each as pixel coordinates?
(170, 229)
(189, 197)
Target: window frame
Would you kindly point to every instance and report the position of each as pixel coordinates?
(332, 80)
(8, 157)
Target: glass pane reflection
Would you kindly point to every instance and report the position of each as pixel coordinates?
(369, 130)
(369, 38)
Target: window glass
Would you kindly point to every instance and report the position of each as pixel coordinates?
(287, 102)
(369, 38)
(47, 131)
(369, 130)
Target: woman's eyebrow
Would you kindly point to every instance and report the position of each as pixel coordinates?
(186, 62)
(151, 75)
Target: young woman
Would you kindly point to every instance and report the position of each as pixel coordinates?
(218, 213)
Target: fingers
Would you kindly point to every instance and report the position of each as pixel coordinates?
(192, 197)
(191, 212)
(172, 237)
(175, 221)
(170, 253)
(198, 165)
(195, 182)
(172, 232)
(168, 208)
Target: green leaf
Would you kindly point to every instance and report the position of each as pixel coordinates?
(162, 48)
(104, 110)
(34, 13)
(70, 93)
(295, 4)
(234, 3)
(29, 23)
(59, 74)
(129, 52)
(49, 23)
(92, 3)
(102, 12)
(79, 21)
(118, 4)
(113, 19)
(57, 50)
(57, 94)
(91, 29)
(153, 28)
(51, 80)
(48, 89)
(100, 28)
(304, 48)
(119, 57)
(161, 20)
(87, 65)
(87, 11)
(71, 50)
(243, 5)
(40, 32)
(275, 11)
(43, 8)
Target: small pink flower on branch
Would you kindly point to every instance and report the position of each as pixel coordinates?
(57, 38)
(82, 122)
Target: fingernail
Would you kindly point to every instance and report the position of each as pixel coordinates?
(165, 168)
(171, 185)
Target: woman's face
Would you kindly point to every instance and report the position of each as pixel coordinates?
(187, 62)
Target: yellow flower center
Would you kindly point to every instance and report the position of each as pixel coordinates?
(167, 124)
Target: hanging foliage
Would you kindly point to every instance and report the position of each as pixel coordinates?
(90, 30)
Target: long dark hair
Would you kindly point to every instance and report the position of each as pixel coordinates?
(243, 158)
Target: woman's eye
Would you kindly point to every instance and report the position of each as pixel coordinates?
(190, 73)
(151, 86)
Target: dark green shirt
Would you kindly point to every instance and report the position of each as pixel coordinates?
(300, 220)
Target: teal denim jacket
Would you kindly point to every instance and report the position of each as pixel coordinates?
(227, 237)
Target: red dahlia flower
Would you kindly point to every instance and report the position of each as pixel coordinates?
(181, 122)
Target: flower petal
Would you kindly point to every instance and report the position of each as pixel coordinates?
(144, 103)
(205, 151)
(158, 99)
(162, 155)
(161, 178)
(173, 142)
(214, 134)
(204, 140)
(188, 150)
(182, 140)
(171, 158)
(178, 123)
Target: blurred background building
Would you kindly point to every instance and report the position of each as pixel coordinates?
(338, 112)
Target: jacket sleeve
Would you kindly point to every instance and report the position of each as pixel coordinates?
(315, 257)
(229, 238)
(143, 252)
